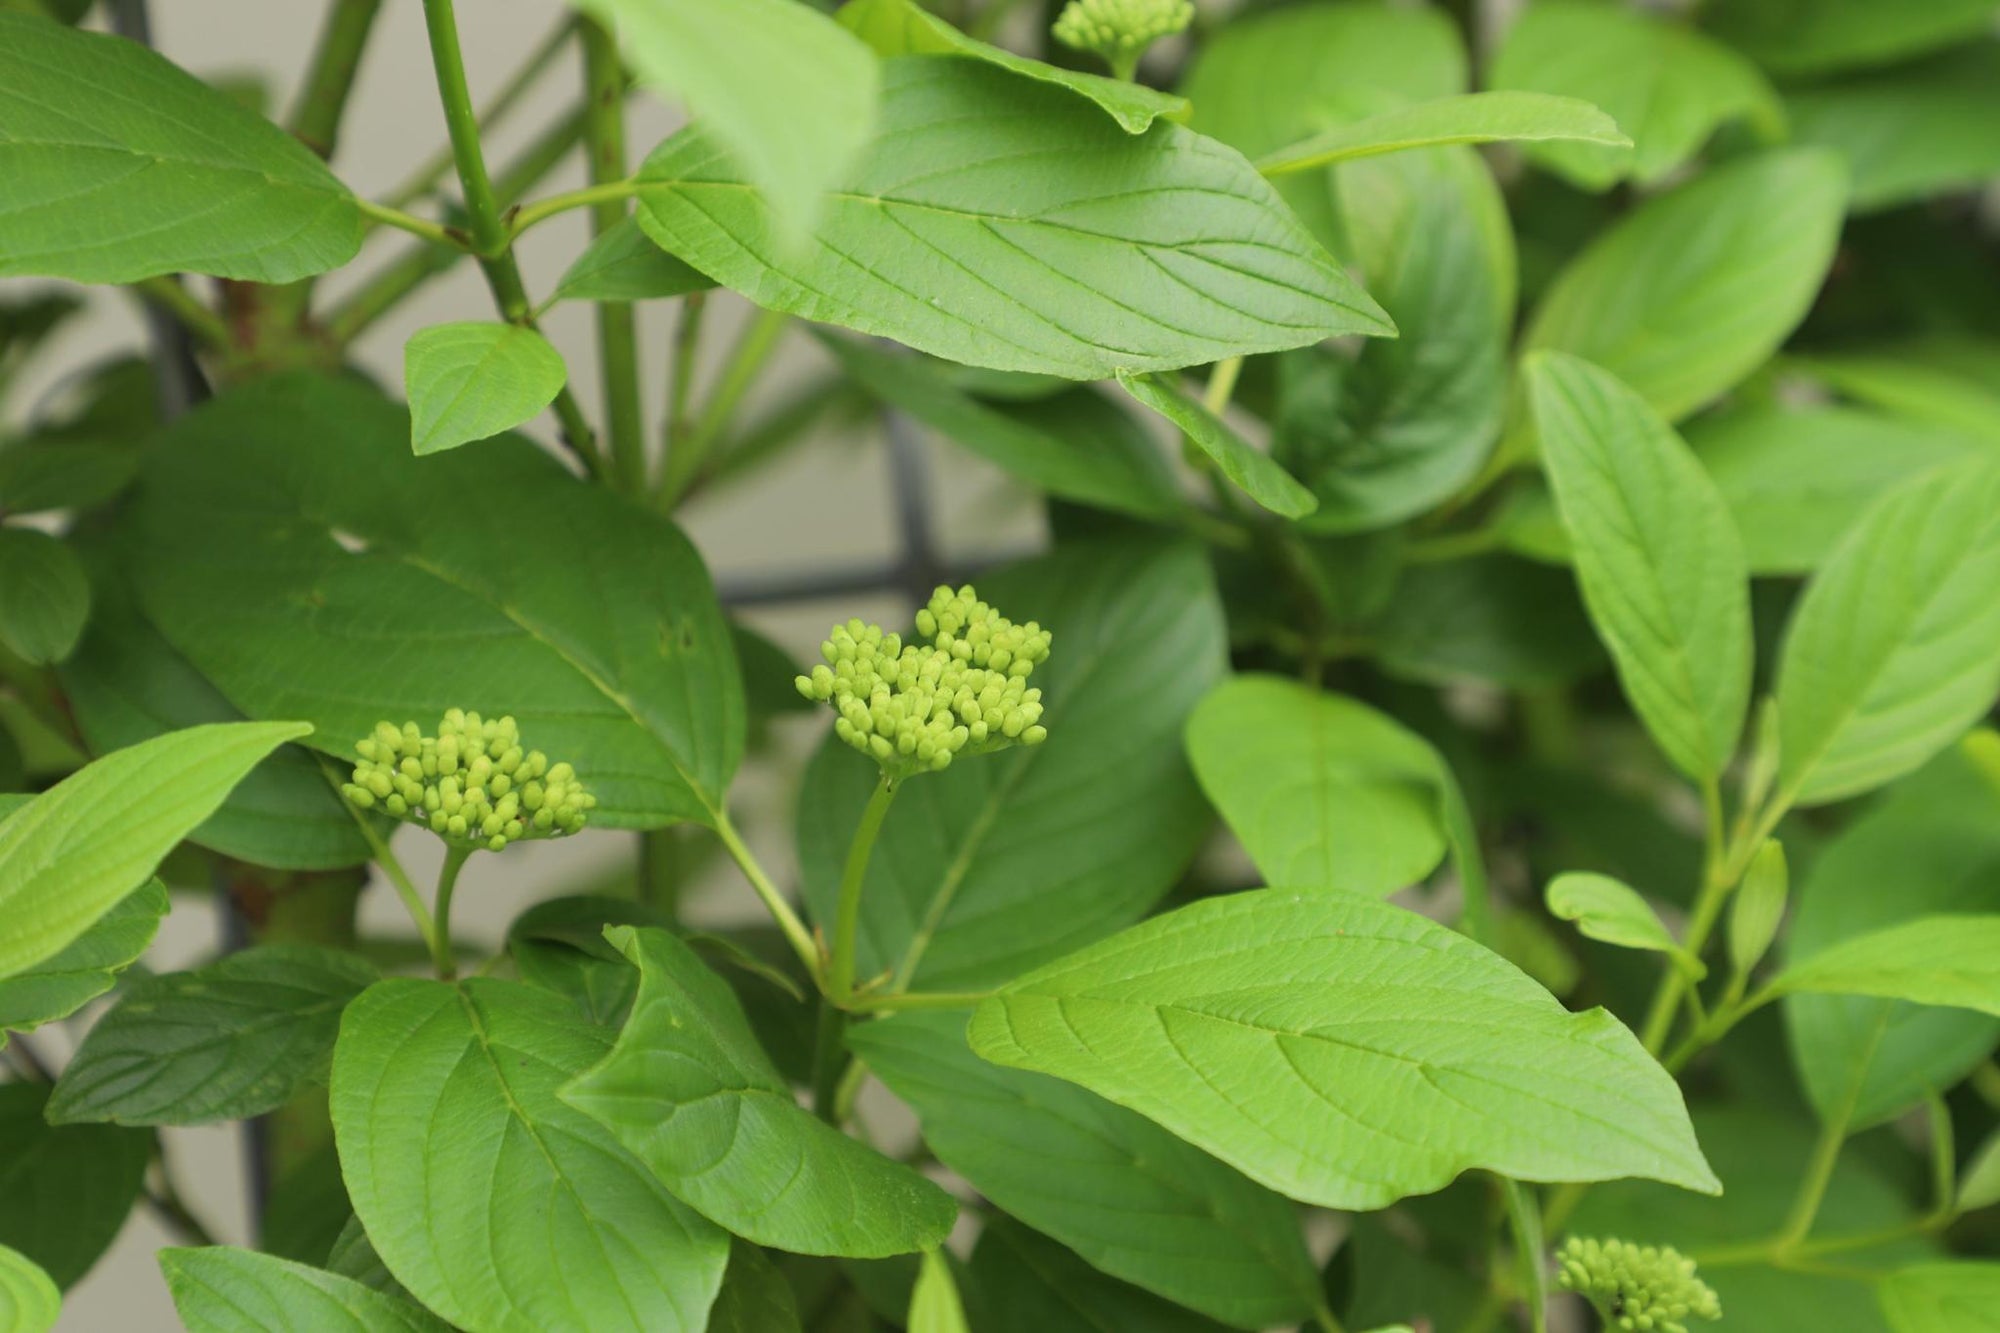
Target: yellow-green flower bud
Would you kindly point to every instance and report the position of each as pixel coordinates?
(1636, 1287)
(471, 783)
(1119, 31)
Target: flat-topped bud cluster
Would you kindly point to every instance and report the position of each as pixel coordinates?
(912, 707)
(1119, 30)
(1646, 1287)
(471, 783)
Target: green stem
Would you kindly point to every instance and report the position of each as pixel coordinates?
(897, 1001)
(1324, 1318)
(686, 347)
(617, 333)
(612, 189)
(315, 118)
(1716, 883)
(442, 956)
(378, 848)
(434, 232)
(659, 868)
(795, 931)
(1222, 385)
(853, 877)
(829, 1061)
(167, 292)
(1825, 1157)
(1526, 1221)
(746, 360)
(165, 1200)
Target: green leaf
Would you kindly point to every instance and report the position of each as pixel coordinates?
(283, 575)
(224, 1042)
(1254, 472)
(1694, 289)
(995, 866)
(1657, 557)
(50, 472)
(79, 848)
(1490, 117)
(692, 1094)
(1758, 908)
(471, 381)
(115, 165)
(1029, 1284)
(126, 684)
(1667, 85)
(1324, 792)
(1944, 381)
(1352, 1021)
(59, 986)
(1817, 36)
(1894, 651)
(218, 1289)
(1075, 446)
(44, 596)
(1957, 1297)
(65, 1190)
(1131, 1198)
(1796, 479)
(1491, 618)
(788, 93)
(1607, 910)
(1911, 131)
(1952, 961)
(905, 28)
(558, 944)
(1130, 252)
(1979, 1183)
(622, 265)
(497, 1205)
(934, 1305)
(755, 1298)
(29, 1301)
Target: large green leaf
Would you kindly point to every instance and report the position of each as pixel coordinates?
(79, 848)
(1657, 556)
(1118, 252)
(691, 1093)
(501, 1208)
(1815, 36)
(1300, 1037)
(1894, 650)
(905, 28)
(1667, 85)
(224, 1042)
(1491, 618)
(1960, 1297)
(787, 92)
(999, 864)
(1489, 117)
(116, 165)
(1075, 445)
(1910, 131)
(1695, 289)
(64, 1190)
(125, 683)
(473, 380)
(1131, 1198)
(1029, 1284)
(1324, 792)
(1935, 838)
(29, 1301)
(1796, 479)
(44, 596)
(319, 580)
(59, 986)
(219, 1289)
(622, 265)
(1946, 381)
(1388, 432)
(1253, 471)
(1952, 961)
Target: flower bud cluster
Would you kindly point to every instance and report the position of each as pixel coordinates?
(1120, 30)
(914, 706)
(470, 783)
(1643, 1287)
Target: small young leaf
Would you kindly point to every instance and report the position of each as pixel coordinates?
(79, 848)
(622, 265)
(1490, 117)
(1657, 557)
(224, 1042)
(29, 1301)
(787, 91)
(1604, 909)
(470, 381)
(934, 1305)
(117, 165)
(1132, 252)
(44, 596)
(1324, 792)
(65, 1191)
(220, 1289)
(1351, 1020)
(1944, 1297)
(905, 28)
(1952, 961)
(497, 1205)
(691, 1093)
(1894, 651)
(1758, 908)
(1254, 472)
(57, 987)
